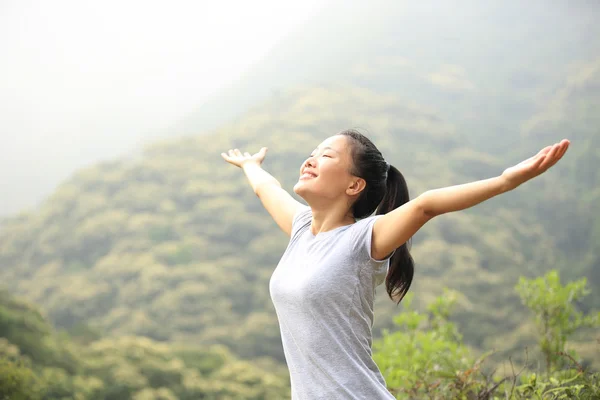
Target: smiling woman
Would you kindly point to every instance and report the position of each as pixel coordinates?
(324, 285)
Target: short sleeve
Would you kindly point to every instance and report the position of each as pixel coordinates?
(362, 238)
(302, 218)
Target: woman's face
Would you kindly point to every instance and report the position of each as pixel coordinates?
(325, 174)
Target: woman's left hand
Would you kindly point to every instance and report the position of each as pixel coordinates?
(534, 166)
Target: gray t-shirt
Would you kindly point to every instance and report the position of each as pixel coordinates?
(323, 290)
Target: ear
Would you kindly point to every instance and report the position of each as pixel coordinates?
(356, 186)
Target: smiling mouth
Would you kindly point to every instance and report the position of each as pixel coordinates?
(307, 175)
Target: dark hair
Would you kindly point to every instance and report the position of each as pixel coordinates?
(385, 191)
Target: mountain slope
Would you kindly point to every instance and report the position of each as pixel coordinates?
(36, 362)
(175, 246)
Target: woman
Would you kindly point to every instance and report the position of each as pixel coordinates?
(338, 253)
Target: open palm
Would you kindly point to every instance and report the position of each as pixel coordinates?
(237, 158)
(535, 165)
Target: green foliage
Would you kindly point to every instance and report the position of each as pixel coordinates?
(125, 367)
(556, 314)
(173, 245)
(426, 359)
(569, 384)
(17, 381)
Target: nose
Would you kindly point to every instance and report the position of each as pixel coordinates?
(310, 162)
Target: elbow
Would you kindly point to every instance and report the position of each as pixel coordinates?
(426, 207)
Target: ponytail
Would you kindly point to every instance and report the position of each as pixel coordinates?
(401, 270)
(385, 191)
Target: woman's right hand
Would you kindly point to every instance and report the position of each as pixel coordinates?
(239, 159)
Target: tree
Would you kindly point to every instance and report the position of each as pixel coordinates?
(17, 381)
(426, 357)
(556, 313)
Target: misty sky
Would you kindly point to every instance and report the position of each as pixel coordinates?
(83, 78)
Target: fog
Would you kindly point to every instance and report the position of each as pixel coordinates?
(84, 81)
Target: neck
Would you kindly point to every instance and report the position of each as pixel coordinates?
(329, 216)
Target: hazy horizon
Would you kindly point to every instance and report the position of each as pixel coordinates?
(92, 81)
(88, 82)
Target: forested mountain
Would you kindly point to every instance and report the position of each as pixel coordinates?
(174, 245)
(36, 362)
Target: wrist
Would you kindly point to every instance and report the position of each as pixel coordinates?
(505, 184)
(249, 165)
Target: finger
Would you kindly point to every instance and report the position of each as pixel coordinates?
(246, 154)
(227, 158)
(562, 148)
(540, 154)
(565, 144)
(237, 152)
(536, 163)
(547, 163)
(545, 150)
(260, 155)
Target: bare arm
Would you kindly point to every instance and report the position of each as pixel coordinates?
(396, 227)
(278, 203)
(455, 198)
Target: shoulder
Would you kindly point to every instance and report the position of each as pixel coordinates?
(366, 223)
(362, 237)
(302, 213)
(302, 219)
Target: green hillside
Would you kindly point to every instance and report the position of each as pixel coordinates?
(175, 246)
(169, 254)
(36, 362)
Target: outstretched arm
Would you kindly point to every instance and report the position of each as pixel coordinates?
(396, 227)
(279, 203)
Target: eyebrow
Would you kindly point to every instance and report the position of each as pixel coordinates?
(328, 148)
